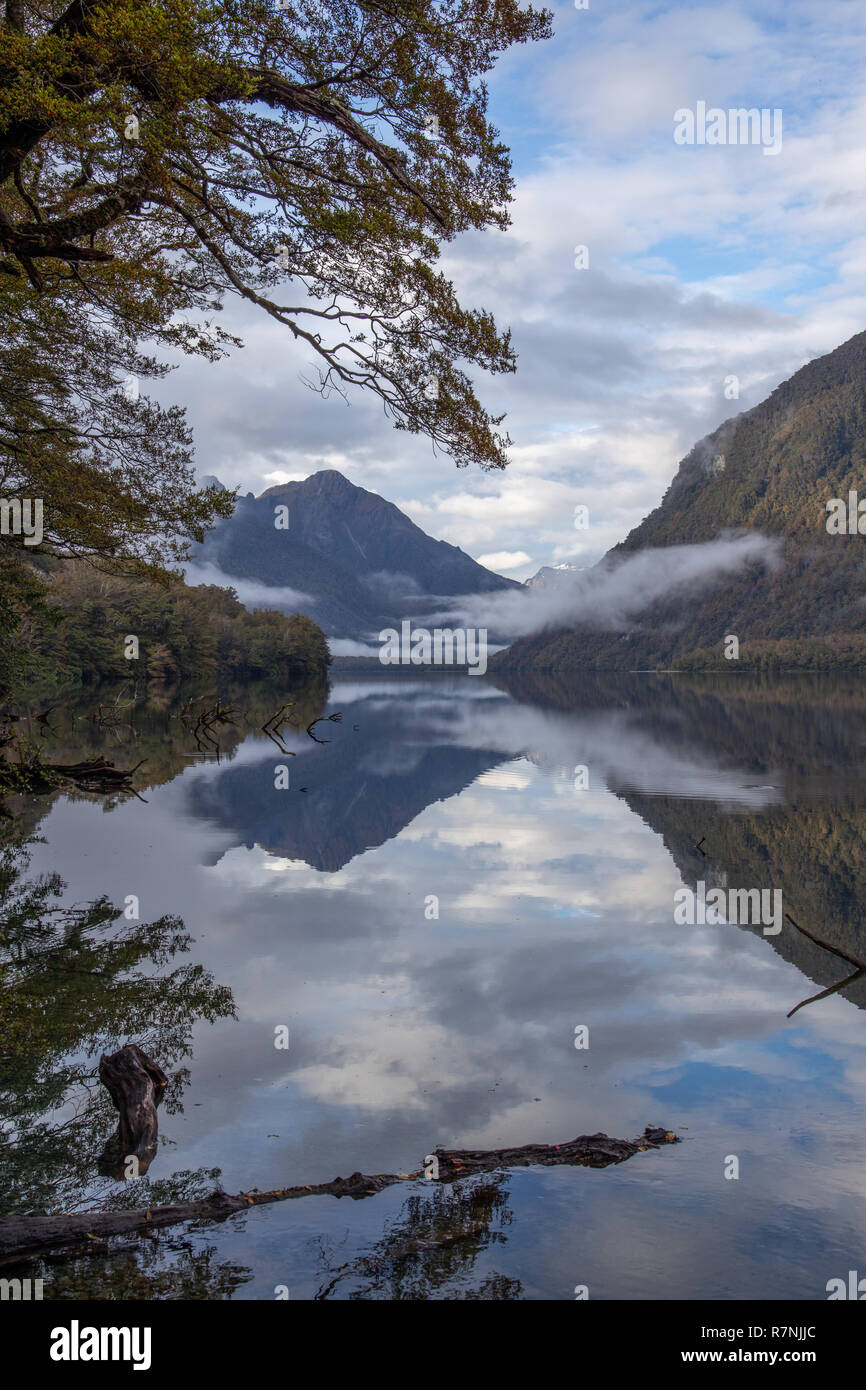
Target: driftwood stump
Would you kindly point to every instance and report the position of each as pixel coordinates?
(136, 1085)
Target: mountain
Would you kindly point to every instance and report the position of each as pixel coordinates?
(554, 576)
(772, 469)
(354, 799)
(360, 561)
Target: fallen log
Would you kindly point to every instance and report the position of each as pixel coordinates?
(33, 776)
(136, 1085)
(24, 1238)
(588, 1150)
(98, 772)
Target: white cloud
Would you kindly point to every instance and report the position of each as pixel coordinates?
(505, 560)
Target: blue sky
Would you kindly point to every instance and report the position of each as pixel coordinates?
(705, 262)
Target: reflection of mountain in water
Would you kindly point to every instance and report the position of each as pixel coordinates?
(780, 801)
(815, 854)
(805, 740)
(362, 787)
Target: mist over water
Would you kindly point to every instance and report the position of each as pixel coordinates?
(618, 589)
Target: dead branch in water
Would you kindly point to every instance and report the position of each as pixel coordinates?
(273, 727)
(331, 718)
(860, 967)
(209, 719)
(24, 1238)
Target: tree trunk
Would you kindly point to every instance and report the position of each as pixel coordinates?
(136, 1085)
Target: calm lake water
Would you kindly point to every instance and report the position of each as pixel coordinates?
(314, 905)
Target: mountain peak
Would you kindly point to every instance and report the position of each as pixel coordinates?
(362, 562)
(328, 482)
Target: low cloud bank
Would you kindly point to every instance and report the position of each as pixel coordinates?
(615, 591)
(346, 646)
(251, 593)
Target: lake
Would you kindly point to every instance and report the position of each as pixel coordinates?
(459, 915)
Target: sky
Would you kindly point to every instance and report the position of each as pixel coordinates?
(706, 262)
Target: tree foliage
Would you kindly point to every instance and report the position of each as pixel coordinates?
(310, 159)
(184, 632)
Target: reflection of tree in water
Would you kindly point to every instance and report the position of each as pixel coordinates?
(155, 731)
(73, 984)
(165, 1268)
(431, 1249)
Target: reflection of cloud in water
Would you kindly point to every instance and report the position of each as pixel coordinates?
(620, 749)
(555, 909)
(384, 691)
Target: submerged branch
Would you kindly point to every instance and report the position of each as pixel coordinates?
(860, 967)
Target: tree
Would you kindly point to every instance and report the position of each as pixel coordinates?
(307, 157)
(73, 984)
(184, 633)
